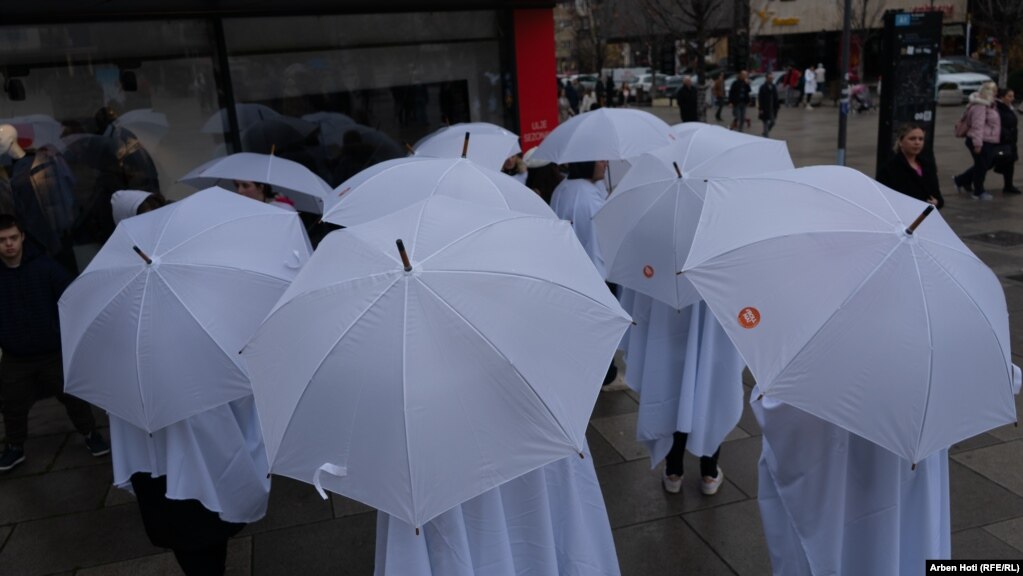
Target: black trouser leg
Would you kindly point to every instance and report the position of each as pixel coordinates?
(210, 561)
(673, 462)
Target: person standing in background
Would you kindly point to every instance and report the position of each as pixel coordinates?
(1006, 165)
(687, 99)
(809, 86)
(768, 103)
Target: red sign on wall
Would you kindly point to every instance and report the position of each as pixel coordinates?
(535, 75)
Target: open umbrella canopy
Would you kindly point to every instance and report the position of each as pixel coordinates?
(486, 144)
(248, 114)
(395, 184)
(151, 330)
(647, 226)
(305, 189)
(605, 134)
(900, 337)
(36, 130)
(148, 125)
(415, 382)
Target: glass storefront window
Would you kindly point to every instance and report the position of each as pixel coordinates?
(357, 89)
(101, 107)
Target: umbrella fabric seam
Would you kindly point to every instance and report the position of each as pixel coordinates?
(497, 351)
(688, 267)
(229, 268)
(930, 348)
(197, 234)
(505, 218)
(833, 195)
(852, 294)
(404, 401)
(522, 276)
(319, 364)
(138, 342)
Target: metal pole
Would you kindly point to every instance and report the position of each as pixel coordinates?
(843, 106)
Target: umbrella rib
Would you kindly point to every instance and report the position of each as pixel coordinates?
(741, 145)
(852, 294)
(227, 268)
(832, 194)
(138, 343)
(930, 355)
(509, 217)
(404, 397)
(499, 353)
(164, 253)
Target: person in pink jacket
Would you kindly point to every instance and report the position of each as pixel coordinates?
(985, 127)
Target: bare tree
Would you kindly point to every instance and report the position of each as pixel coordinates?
(686, 19)
(866, 23)
(592, 22)
(1004, 20)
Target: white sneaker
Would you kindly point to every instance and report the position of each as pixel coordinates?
(616, 385)
(672, 484)
(710, 486)
(808, 107)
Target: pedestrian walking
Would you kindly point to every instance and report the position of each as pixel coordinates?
(1005, 163)
(687, 98)
(609, 91)
(809, 86)
(795, 84)
(768, 103)
(719, 95)
(820, 76)
(739, 97)
(909, 172)
(31, 367)
(983, 131)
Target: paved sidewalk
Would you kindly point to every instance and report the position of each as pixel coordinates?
(60, 515)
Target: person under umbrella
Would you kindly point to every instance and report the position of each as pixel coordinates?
(261, 192)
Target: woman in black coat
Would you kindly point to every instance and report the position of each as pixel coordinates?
(1010, 133)
(907, 172)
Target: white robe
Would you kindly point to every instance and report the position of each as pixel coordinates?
(687, 372)
(833, 503)
(577, 201)
(551, 521)
(216, 457)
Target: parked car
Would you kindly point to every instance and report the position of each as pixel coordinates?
(951, 73)
(645, 83)
(973, 65)
(587, 81)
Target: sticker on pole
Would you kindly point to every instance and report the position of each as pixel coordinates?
(648, 271)
(749, 317)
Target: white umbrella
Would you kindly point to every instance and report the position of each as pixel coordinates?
(840, 311)
(151, 330)
(148, 125)
(605, 134)
(305, 189)
(486, 144)
(248, 114)
(392, 185)
(646, 228)
(36, 130)
(415, 386)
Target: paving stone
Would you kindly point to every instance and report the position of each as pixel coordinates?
(620, 432)
(739, 461)
(1010, 532)
(1011, 431)
(239, 563)
(347, 507)
(74, 453)
(117, 497)
(5, 531)
(601, 450)
(1013, 295)
(78, 540)
(339, 547)
(735, 533)
(978, 441)
(667, 546)
(977, 501)
(291, 503)
(613, 404)
(977, 543)
(40, 453)
(633, 492)
(1000, 463)
(44, 495)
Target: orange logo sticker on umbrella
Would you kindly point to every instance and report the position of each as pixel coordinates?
(648, 271)
(749, 317)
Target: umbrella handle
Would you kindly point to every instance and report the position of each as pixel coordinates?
(465, 145)
(927, 211)
(142, 254)
(404, 255)
(677, 171)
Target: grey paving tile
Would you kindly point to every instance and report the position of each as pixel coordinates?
(977, 501)
(620, 432)
(79, 540)
(239, 563)
(1011, 431)
(1013, 295)
(291, 503)
(977, 543)
(1010, 532)
(40, 452)
(347, 507)
(5, 531)
(667, 546)
(613, 404)
(978, 441)
(739, 461)
(601, 450)
(1000, 463)
(117, 497)
(736, 534)
(74, 454)
(41, 496)
(337, 547)
(633, 493)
